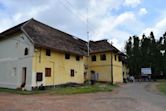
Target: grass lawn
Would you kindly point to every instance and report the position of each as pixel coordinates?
(66, 90)
(162, 86)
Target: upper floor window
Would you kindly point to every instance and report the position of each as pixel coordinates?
(93, 57)
(77, 58)
(48, 52)
(102, 57)
(26, 51)
(115, 57)
(119, 58)
(67, 56)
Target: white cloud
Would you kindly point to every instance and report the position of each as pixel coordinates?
(142, 11)
(13, 15)
(103, 22)
(109, 29)
(111, 24)
(120, 38)
(159, 28)
(132, 3)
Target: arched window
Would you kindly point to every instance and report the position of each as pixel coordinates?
(26, 51)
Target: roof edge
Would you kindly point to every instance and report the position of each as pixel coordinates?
(22, 29)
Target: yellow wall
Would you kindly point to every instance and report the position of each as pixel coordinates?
(117, 69)
(104, 67)
(60, 67)
(86, 75)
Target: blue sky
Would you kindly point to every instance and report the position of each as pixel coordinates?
(114, 20)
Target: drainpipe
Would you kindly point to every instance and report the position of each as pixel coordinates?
(112, 77)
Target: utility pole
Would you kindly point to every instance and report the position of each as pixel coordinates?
(88, 52)
(87, 23)
(112, 79)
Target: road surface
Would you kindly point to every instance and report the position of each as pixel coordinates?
(128, 97)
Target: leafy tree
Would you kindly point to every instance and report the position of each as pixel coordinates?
(146, 52)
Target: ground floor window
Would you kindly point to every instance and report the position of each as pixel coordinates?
(39, 76)
(72, 72)
(47, 72)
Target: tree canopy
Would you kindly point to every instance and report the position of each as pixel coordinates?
(146, 51)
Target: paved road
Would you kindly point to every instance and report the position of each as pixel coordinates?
(129, 97)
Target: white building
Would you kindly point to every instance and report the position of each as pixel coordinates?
(16, 61)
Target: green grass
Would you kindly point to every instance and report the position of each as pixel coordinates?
(15, 91)
(65, 90)
(83, 89)
(162, 86)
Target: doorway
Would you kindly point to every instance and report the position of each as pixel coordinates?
(24, 73)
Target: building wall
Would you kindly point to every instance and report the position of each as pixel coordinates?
(12, 60)
(86, 73)
(103, 68)
(125, 70)
(117, 69)
(60, 67)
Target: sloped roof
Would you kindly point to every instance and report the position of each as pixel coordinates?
(48, 37)
(13, 29)
(45, 36)
(123, 57)
(101, 46)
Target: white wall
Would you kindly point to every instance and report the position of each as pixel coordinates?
(12, 60)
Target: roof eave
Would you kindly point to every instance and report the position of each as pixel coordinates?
(54, 49)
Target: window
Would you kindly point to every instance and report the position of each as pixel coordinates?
(93, 57)
(85, 66)
(102, 57)
(47, 72)
(67, 56)
(48, 52)
(77, 58)
(26, 51)
(115, 57)
(119, 58)
(39, 76)
(72, 72)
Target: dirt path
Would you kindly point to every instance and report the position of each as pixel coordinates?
(149, 99)
(130, 97)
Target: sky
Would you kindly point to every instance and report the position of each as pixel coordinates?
(114, 20)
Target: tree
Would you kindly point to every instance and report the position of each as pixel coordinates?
(146, 52)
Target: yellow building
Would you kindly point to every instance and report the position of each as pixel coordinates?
(34, 54)
(125, 68)
(40, 55)
(105, 61)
